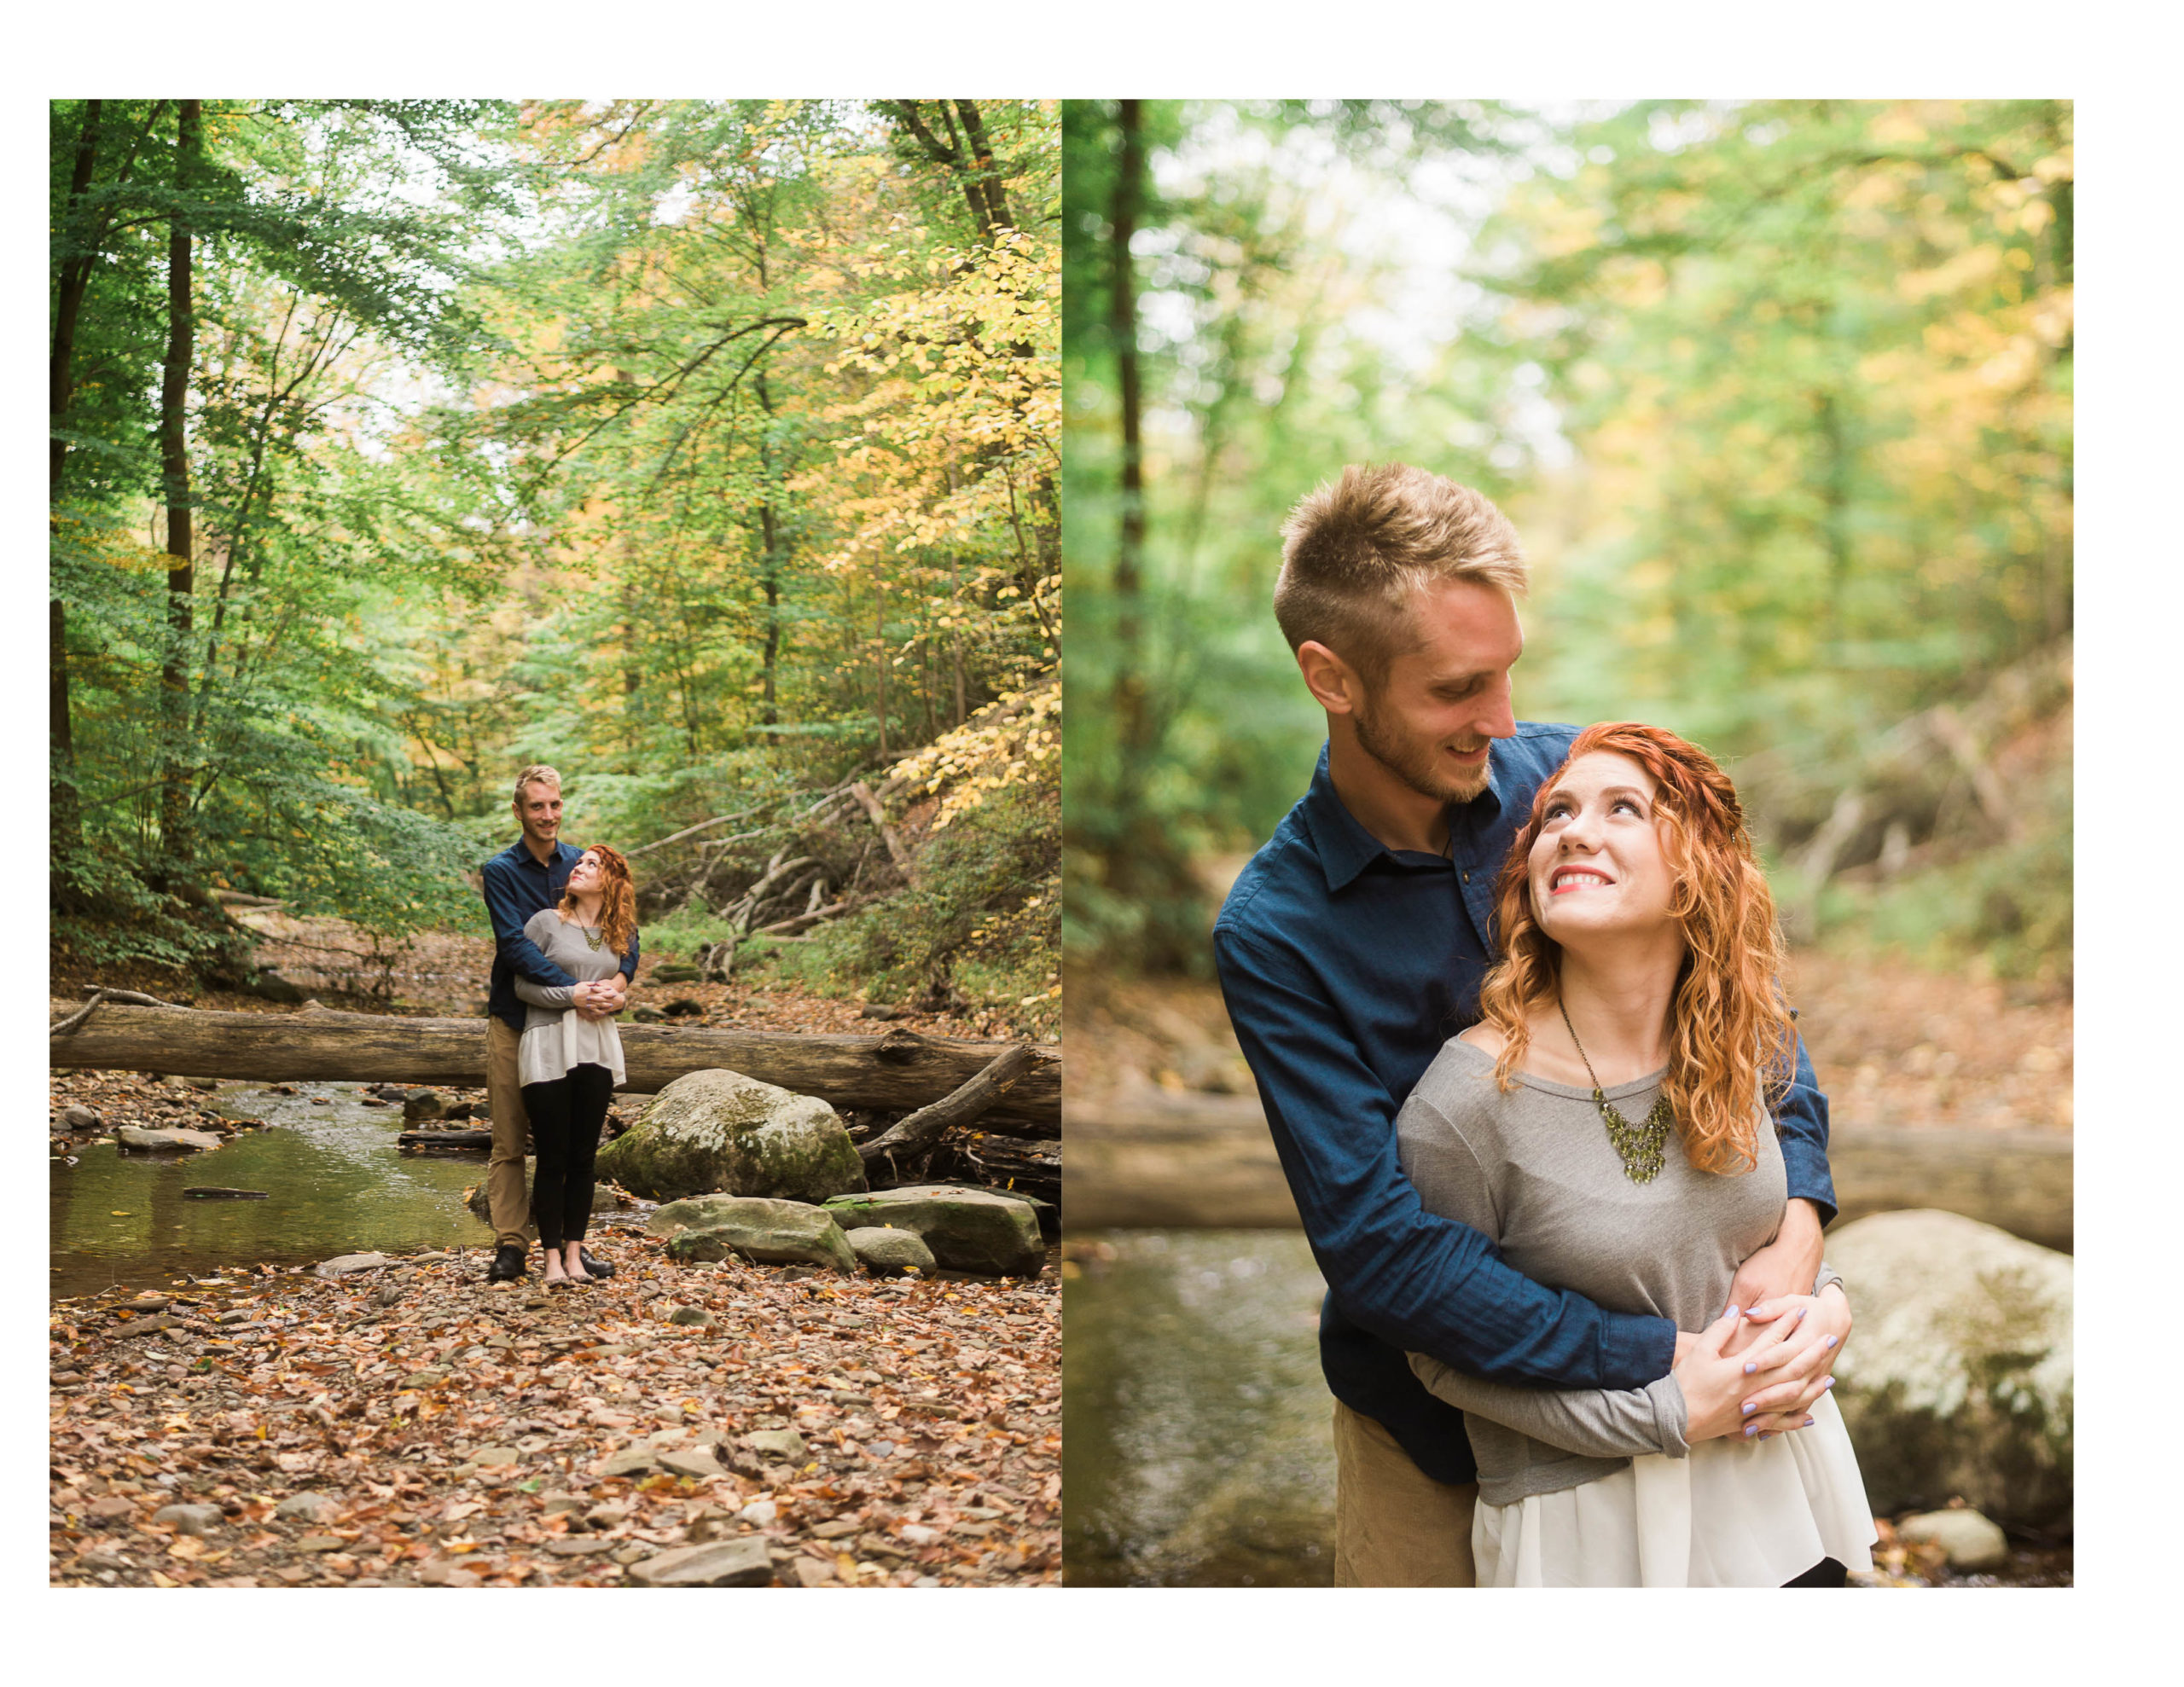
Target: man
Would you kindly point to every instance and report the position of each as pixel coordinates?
(1353, 946)
(526, 876)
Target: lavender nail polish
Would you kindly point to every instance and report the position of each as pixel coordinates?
(1749, 1367)
(1750, 1407)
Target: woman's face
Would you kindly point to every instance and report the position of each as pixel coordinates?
(588, 875)
(1598, 867)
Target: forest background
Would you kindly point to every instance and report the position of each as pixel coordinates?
(1778, 394)
(706, 451)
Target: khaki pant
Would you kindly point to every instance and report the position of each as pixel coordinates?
(1394, 1525)
(505, 1196)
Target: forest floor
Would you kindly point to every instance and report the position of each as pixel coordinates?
(1891, 1044)
(411, 1426)
(461, 1434)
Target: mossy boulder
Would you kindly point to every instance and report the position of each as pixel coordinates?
(720, 1131)
(974, 1230)
(767, 1232)
(1957, 1380)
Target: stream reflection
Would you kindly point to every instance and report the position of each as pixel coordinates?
(335, 1180)
(1198, 1452)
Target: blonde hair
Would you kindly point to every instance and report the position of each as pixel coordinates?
(537, 773)
(1732, 1046)
(1354, 551)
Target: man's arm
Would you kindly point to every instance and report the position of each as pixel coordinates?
(504, 911)
(1788, 1264)
(1423, 1283)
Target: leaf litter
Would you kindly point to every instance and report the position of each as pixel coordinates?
(412, 1425)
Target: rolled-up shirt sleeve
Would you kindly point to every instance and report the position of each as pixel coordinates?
(1423, 1283)
(1801, 1126)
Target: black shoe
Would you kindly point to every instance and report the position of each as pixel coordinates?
(594, 1267)
(508, 1264)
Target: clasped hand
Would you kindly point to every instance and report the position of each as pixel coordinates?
(602, 998)
(1757, 1371)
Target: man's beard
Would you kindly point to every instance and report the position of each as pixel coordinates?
(1414, 758)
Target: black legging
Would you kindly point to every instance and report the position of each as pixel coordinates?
(566, 1116)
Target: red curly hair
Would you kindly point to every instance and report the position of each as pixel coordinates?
(618, 899)
(1732, 1046)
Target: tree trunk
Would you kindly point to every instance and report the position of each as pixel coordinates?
(891, 1073)
(1129, 700)
(1207, 1161)
(65, 814)
(177, 844)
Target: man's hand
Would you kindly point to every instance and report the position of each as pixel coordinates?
(1785, 1266)
(1787, 1376)
(600, 998)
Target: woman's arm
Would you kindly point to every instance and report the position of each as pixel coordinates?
(1598, 1422)
(541, 928)
(1697, 1402)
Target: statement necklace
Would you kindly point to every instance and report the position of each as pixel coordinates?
(1638, 1146)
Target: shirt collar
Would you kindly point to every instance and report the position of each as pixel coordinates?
(1347, 848)
(520, 854)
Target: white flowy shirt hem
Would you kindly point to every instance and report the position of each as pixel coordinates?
(1771, 1511)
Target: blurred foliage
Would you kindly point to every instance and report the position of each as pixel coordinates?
(1779, 394)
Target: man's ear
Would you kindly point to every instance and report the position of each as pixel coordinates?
(1334, 682)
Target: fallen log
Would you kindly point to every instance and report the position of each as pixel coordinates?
(1026, 1165)
(892, 1073)
(984, 1092)
(1207, 1162)
(444, 1139)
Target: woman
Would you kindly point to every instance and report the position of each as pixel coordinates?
(1606, 1125)
(568, 1063)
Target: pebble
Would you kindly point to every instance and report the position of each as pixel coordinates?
(189, 1519)
(311, 1508)
(741, 1562)
(759, 1513)
(1972, 1541)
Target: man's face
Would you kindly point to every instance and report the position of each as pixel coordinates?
(1430, 720)
(538, 811)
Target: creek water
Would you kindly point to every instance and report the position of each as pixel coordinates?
(336, 1182)
(1198, 1452)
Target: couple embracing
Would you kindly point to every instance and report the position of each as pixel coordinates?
(565, 950)
(1512, 996)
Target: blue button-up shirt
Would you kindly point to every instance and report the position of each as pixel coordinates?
(1345, 966)
(518, 885)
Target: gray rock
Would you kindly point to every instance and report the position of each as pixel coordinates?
(351, 1265)
(140, 1136)
(770, 1232)
(885, 1251)
(422, 1104)
(719, 1131)
(974, 1230)
(487, 1458)
(695, 1317)
(1957, 1380)
(759, 1513)
(1972, 1541)
(741, 1562)
(189, 1519)
(775, 1443)
(308, 1508)
(693, 1462)
(80, 1118)
(628, 1462)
